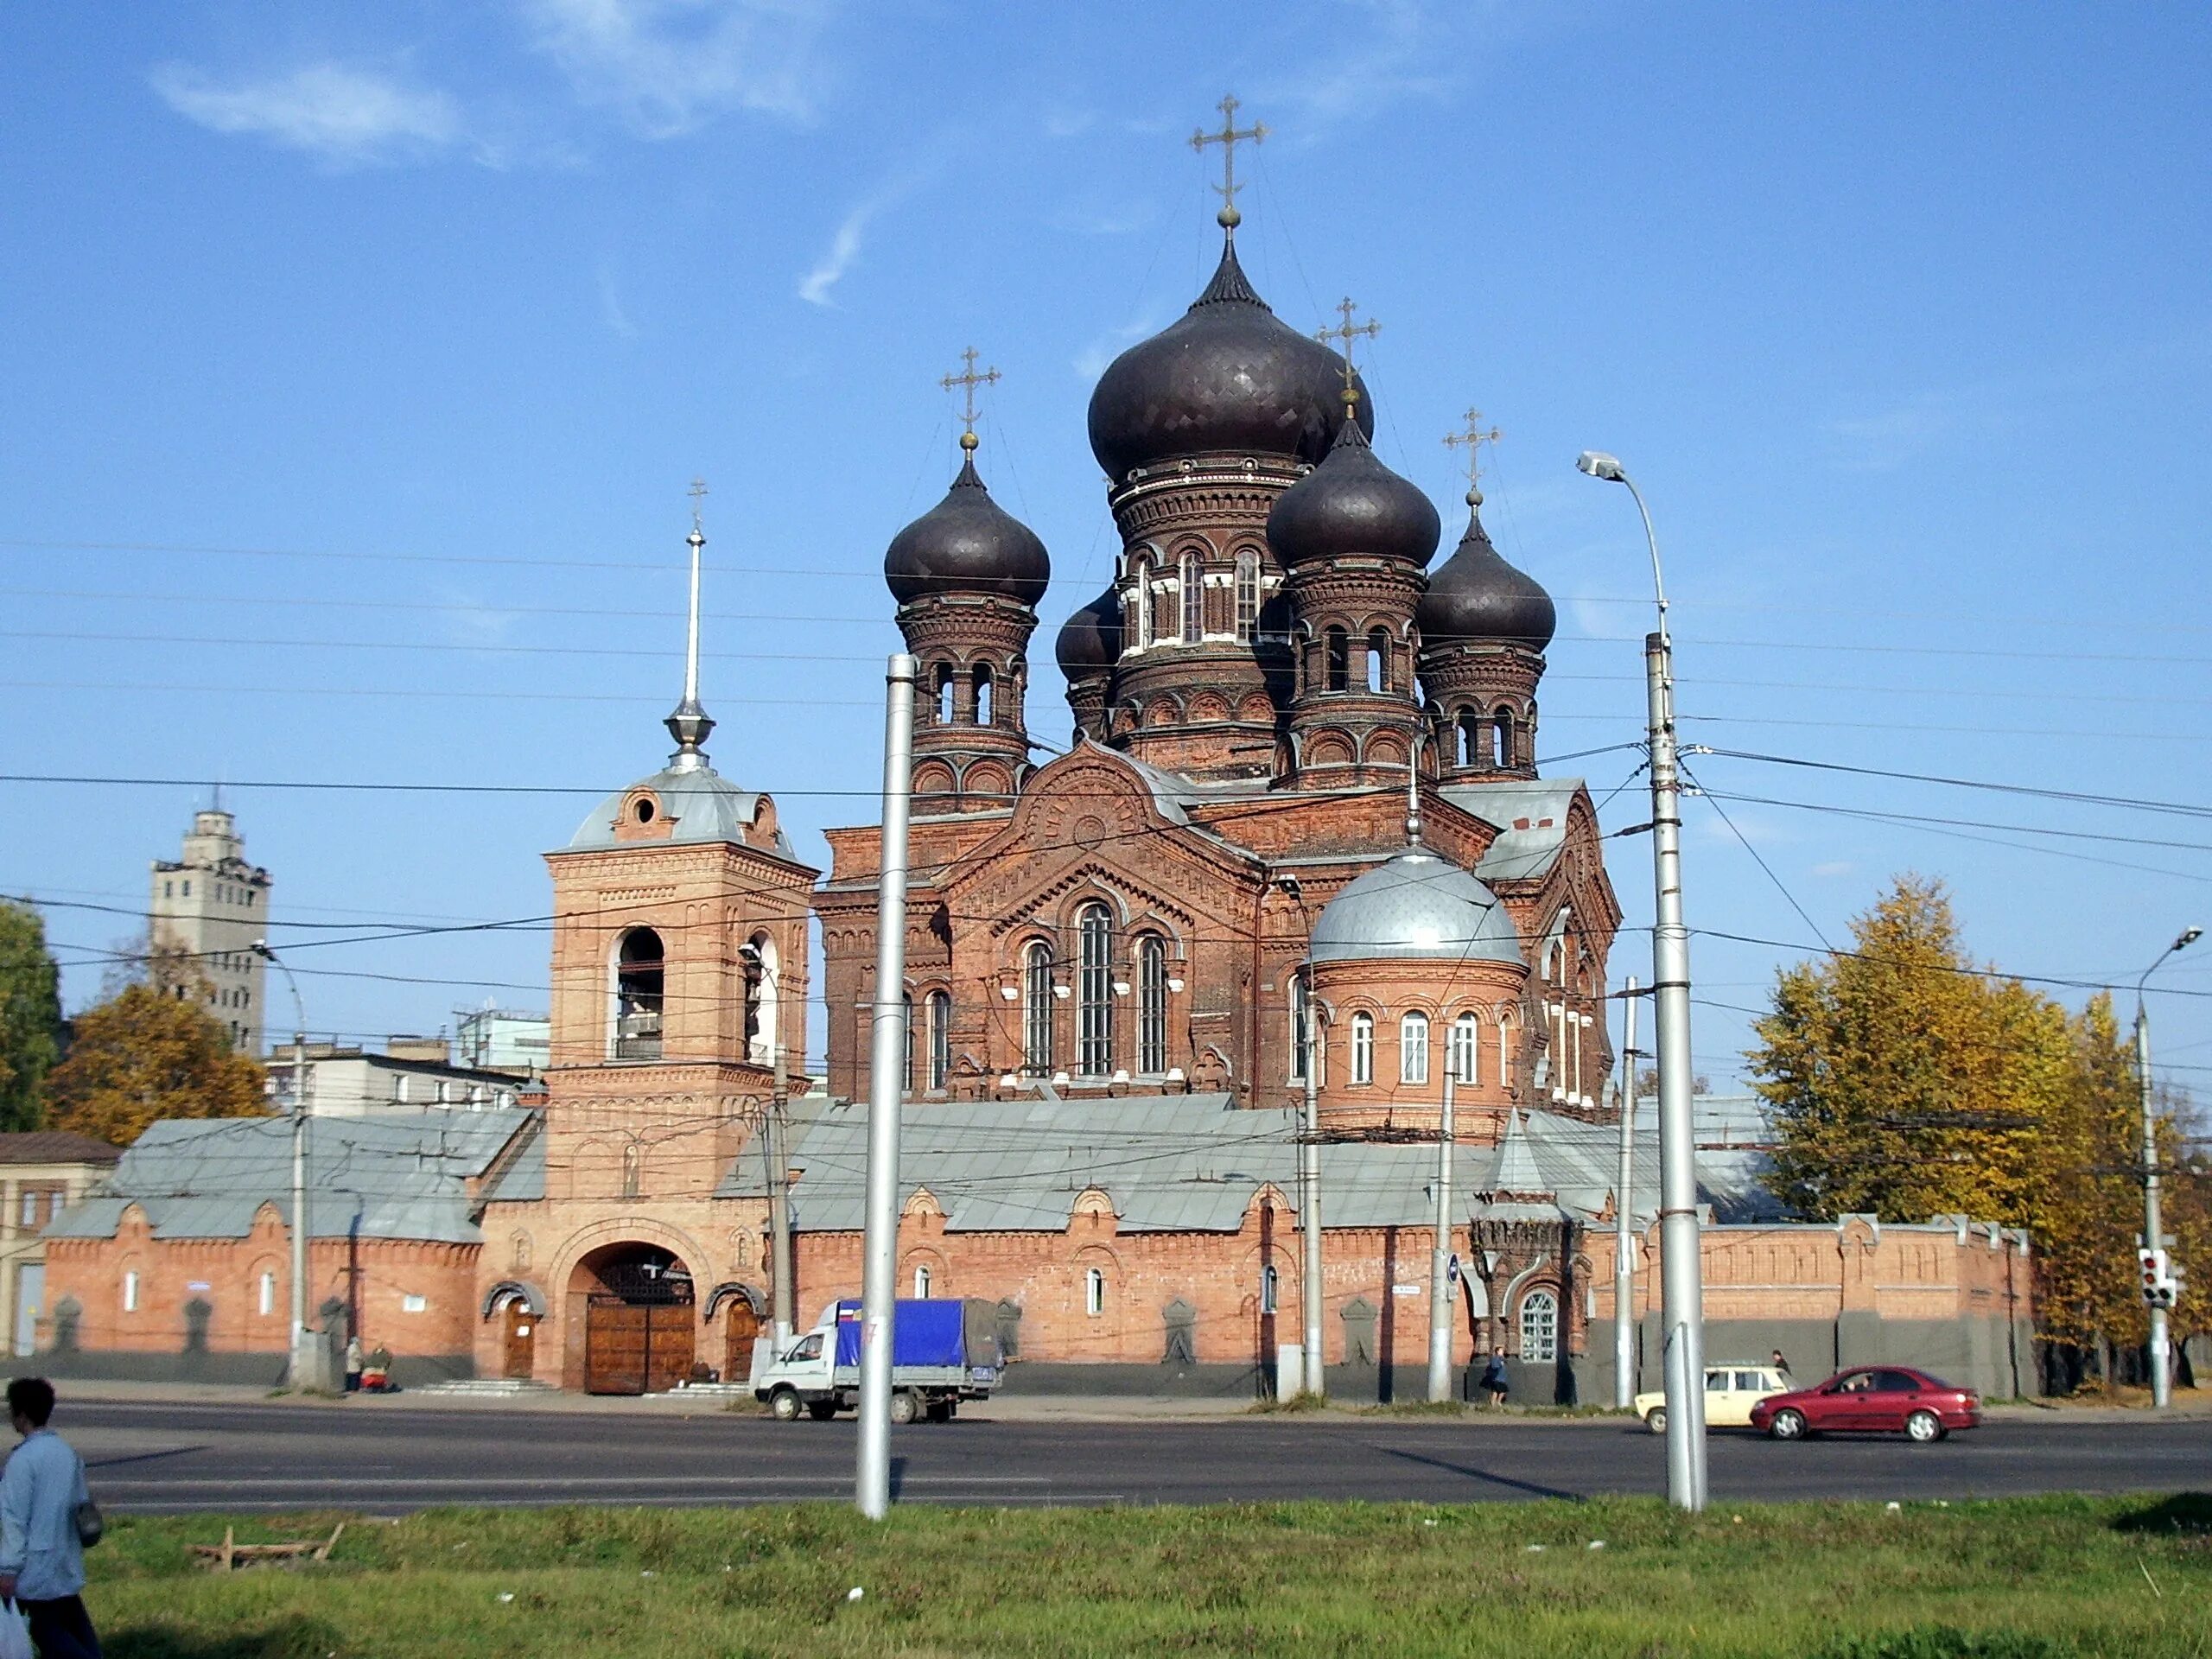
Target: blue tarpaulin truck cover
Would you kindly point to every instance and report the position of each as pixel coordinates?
(922, 1333)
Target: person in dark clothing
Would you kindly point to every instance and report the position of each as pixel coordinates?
(1494, 1379)
(41, 1557)
(1780, 1363)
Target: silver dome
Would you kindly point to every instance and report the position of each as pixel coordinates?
(1416, 905)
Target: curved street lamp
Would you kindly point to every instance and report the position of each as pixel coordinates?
(2161, 1369)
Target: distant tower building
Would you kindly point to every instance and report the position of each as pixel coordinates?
(212, 905)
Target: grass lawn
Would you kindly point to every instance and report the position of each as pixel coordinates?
(2018, 1579)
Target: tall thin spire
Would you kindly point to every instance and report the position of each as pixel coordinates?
(689, 725)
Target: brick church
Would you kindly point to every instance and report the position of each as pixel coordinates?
(1299, 821)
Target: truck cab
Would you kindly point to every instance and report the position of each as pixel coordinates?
(943, 1352)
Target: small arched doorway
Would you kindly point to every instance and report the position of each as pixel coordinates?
(740, 1330)
(640, 1327)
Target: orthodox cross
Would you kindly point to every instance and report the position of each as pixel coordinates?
(698, 493)
(1348, 331)
(1474, 437)
(968, 380)
(1228, 137)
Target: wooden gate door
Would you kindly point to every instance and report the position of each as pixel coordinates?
(616, 1344)
(743, 1328)
(670, 1332)
(522, 1342)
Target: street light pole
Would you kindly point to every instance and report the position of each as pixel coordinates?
(886, 1090)
(1309, 1287)
(299, 1376)
(2153, 1239)
(1681, 1277)
(1624, 1227)
(1440, 1261)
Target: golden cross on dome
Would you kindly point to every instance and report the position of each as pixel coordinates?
(1348, 331)
(1228, 137)
(968, 380)
(1474, 437)
(698, 493)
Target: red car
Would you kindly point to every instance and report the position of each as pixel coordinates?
(1880, 1399)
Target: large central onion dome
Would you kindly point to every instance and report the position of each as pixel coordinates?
(1351, 504)
(967, 544)
(1476, 595)
(1419, 906)
(1229, 377)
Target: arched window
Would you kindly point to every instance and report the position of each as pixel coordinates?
(1301, 1028)
(940, 1033)
(984, 707)
(1466, 1050)
(631, 1170)
(921, 1283)
(1505, 1052)
(1378, 660)
(1140, 603)
(1540, 1326)
(1037, 1009)
(763, 998)
(907, 1056)
(1151, 1005)
(1413, 1048)
(1247, 596)
(1336, 659)
(1193, 588)
(1363, 1047)
(1094, 1291)
(1270, 1288)
(1503, 725)
(639, 978)
(1094, 1055)
(941, 683)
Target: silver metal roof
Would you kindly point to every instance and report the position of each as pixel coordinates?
(1416, 905)
(396, 1175)
(1530, 816)
(706, 805)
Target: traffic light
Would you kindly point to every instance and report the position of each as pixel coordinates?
(2161, 1286)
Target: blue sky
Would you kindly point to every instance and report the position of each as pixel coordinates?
(357, 358)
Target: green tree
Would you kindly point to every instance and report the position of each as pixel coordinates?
(30, 1016)
(145, 1054)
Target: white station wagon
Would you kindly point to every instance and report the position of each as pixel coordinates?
(1730, 1391)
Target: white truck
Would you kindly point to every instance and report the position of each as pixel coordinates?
(942, 1353)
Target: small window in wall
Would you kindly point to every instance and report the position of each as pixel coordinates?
(130, 1290)
(1466, 1050)
(1248, 596)
(1037, 1001)
(411, 1303)
(1413, 1048)
(1193, 587)
(983, 694)
(188, 889)
(1378, 660)
(941, 689)
(1336, 659)
(169, 889)
(1301, 1031)
(1540, 1326)
(1151, 1005)
(639, 978)
(30, 1208)
(940, 1035)
(264, 1299)
(1363, 1047)
(1270, 1288)
(1504, 728)
(921, 1284)
(1140, 602)
(1094, 1291)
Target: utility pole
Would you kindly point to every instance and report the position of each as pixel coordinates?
(1309, 1169)
(886, 1088)
(1624, 1229)
(782, 1291)
(1439, 1261)
(1681, 1274)
(2159, 1296)
(299, 1373)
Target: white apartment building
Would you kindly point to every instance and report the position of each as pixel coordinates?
(215, 905)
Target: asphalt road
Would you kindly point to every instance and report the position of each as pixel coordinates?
(161, 1459)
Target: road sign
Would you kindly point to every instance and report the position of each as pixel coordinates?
(1452, 1269)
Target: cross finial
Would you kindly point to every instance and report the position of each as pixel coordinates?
(1228, 137)
(1471, 434)
(968, 380)
(1348, 331)
(698, 493)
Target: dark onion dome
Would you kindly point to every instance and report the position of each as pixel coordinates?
(1352, 503)
(1228, 376)
(1090, 641)
(967, 544)
(1476, 595)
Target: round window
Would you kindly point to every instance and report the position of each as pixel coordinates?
(644, 810)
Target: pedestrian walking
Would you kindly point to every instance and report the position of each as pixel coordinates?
(1494, 1378)
(46, 1518)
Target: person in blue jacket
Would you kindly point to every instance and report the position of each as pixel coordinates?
(1494, 1381)
(42, 1561)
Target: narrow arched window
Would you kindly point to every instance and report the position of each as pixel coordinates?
(1248, 596)
(1151, 1005)
(1095, 991)
(921, 1283)
(1194, 600)
(1336, 659)
(941, 689)
(1505, 1053)
(1094, 1292)
(1363, 1047)
(640, 977)
(1301, 1025)
(1471, 736)
(1504, 724)
(633, 1161)
(763, 995)
(984, 704)
(1037, 1009)
(1413, 1048)
(940, 1035)
(906, 1054)
(1466, 1050)
(1270, 1288)
(1378, 660)
(1140, 602)
(1540, 1326)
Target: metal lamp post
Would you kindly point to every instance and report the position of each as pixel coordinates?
(1681, 1286)
(299, 1373)
(2161, 1366)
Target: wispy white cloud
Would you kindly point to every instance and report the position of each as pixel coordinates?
(1090, 362)
(844, 248)
(667, 66)
(343, 114)
(1836, 868)
(610, 306)
(1395, 55)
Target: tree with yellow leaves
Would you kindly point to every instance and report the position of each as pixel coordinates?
(145, 1054)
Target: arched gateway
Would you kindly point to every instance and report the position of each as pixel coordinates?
(639, 1323)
